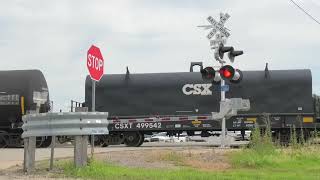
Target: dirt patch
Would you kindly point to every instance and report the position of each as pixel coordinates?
(203, 159)
(211, 160)
(140, 159)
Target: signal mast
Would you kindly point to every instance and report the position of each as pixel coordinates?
(225, 72)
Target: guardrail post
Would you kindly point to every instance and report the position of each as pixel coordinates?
(77, 124)
(92, 145)
(80, 150)
(53, 144)
(29, 154)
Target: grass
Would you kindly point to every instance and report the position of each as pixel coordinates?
(283, 170)
(246, 164)
(262, 160)
(303, 163)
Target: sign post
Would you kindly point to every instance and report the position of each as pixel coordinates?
(95, 65)
(93, 95)
(222, 34)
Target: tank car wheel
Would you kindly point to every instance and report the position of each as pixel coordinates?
(285, 137)
(104, 145)
(3, 142)
(104, 141)
(141, 140)
(47, 142)
(39, 141)
(307, 135)
(133, 139)
(97, 140)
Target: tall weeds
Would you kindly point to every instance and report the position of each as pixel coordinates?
(262, 152)
(261, 141)
(293, 137)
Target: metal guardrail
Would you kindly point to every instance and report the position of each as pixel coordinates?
(65, 124)
(77, 124)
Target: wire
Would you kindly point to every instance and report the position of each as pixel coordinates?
(310, 16)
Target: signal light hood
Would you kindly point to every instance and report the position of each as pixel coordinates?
(237, 76)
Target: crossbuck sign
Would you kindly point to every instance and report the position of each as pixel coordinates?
(218, 26)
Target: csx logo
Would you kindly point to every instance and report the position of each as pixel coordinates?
(197, 89)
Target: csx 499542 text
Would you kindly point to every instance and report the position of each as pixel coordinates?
(149, 125)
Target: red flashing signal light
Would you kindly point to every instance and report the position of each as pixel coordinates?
(227, 72)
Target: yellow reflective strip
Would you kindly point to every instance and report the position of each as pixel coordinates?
(252, 119)
(307, 119)
(22, 105)
(196, 122)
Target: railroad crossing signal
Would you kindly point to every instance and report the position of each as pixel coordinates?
(226, 72)
(218, 26)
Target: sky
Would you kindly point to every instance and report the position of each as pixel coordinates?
(151, 36)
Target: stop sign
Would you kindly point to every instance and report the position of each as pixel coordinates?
(95, 63)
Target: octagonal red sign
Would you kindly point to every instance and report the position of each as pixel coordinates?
(95, 63)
